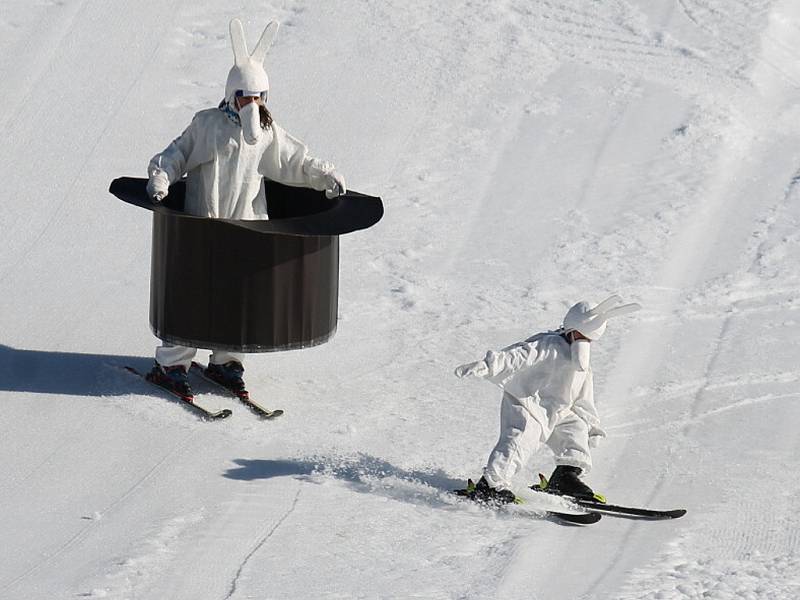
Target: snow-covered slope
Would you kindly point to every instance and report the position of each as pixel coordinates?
(529, 154)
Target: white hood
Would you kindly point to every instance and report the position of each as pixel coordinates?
(248, 71)
(591, 322)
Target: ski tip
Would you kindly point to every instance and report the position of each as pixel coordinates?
(592, 517)
(586, 518)
(261, 412)
(223, 414)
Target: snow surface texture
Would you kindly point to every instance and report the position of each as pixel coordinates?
(529, 154)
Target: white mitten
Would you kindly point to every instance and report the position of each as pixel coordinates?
(595, 435)
(476, 369)
(335, 185)
(158, 185)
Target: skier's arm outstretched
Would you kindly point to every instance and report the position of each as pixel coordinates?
(287, 161)
(502, 363)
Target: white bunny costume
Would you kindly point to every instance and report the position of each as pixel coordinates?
(225, 152)
(548, 395)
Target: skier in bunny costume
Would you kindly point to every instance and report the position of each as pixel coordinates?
(225, 152)
(548, 397)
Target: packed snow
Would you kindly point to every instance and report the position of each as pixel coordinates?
(529, 155)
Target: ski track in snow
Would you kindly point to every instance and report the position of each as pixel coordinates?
(258, 546)
(107, 512)
(151, 559)
(684, 576)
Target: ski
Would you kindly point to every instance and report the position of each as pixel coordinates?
(629, 511)
(185, 400)
(243, 396)
(599, 504)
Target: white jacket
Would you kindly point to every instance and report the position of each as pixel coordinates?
(224, 173)
(539, 373)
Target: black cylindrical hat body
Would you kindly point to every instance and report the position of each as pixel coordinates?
(249, 286)
(216, 285)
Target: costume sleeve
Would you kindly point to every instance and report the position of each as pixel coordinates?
(286, 161)
(504, 363)
(184, 153)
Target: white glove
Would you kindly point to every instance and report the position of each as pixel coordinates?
(334, 185)
(158, 185)
(595, 435)
(476, 369)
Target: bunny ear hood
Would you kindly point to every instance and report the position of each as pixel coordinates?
(591, 322)
(248, 71)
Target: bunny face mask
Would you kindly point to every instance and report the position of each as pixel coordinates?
(248, 76)
(581, 353)
(590, 323)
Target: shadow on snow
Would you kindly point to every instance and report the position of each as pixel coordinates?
(371, 475)
(362, 473)
(68, 373)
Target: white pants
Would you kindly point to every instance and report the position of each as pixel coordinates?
(520, 436)
(171, 356)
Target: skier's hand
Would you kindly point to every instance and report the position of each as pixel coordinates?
(595, 436)
(334, 185)
(158, 186)
(476, 369)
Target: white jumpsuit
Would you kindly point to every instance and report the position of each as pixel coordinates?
(224, 180)
(545, 400)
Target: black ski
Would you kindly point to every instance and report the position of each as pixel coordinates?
(629, 511)
(599, 505)
(243, 396)
(187, 401)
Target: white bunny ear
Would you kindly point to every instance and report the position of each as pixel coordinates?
(625, 309)
(240, 54)
(605, 305)
(265, 43)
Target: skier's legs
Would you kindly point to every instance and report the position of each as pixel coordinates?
(220, 357)
(570, 443)
(168, 355)
(520, 434)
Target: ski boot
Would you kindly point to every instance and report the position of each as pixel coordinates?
(174, 379)
(228, 375)
(486, 494)
(565, 481)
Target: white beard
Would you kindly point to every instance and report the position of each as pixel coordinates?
(580, 351)
(251, 123)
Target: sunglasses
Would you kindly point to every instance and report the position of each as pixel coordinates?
(251, 94)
